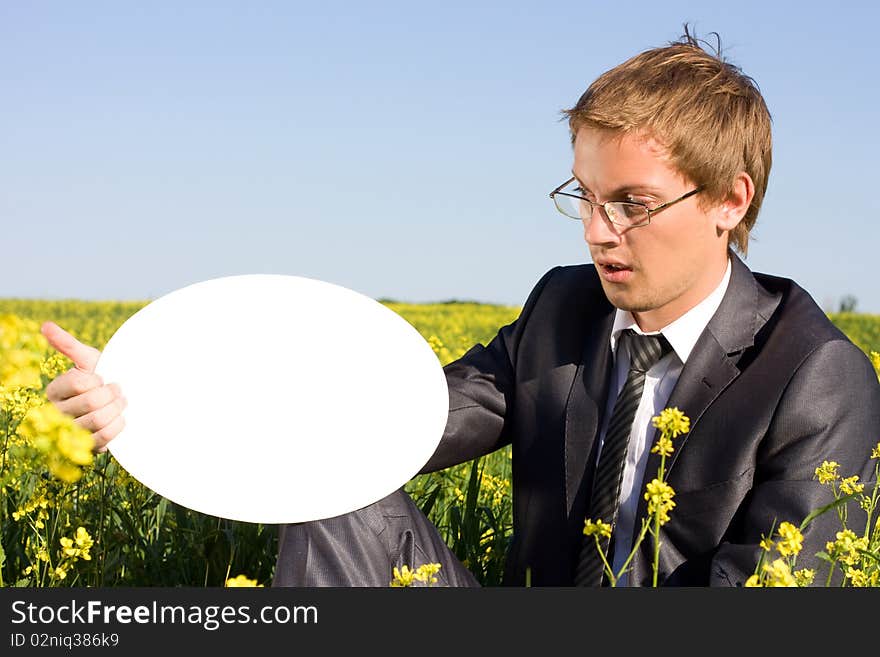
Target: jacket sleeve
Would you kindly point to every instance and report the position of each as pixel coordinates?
(481, 391)
(830, 411)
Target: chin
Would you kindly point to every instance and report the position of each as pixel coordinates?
(618, 300)
(624, 301)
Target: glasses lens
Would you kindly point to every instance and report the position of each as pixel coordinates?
(627, 214)
(572, 207)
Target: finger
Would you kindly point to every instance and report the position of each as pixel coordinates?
(72, 383)
(107, 434)
(97, 420)
(83, 356)
(91, 400)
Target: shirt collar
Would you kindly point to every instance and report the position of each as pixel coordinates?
(684, 332)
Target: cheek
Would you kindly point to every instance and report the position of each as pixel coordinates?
(669, 260)
(679, 241)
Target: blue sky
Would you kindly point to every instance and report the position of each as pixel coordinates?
(402, 150)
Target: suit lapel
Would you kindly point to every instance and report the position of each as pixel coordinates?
(586, 406)
(712, 365)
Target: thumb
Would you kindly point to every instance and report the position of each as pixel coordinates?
(82, 355)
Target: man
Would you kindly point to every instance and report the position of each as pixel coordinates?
(672, 152)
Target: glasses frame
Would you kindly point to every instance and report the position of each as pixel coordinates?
(593, 205)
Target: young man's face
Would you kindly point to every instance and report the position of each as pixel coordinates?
(669, 265)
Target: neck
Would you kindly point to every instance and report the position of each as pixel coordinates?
(658, 318)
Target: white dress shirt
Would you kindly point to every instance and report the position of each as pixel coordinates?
(682, 334)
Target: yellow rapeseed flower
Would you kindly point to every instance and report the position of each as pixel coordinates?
(57, 363)
(20, 369)
(779, 574)
(672, 422)
(76, 446)
(849, 486)
(22, 346)
(753, 582)
(663, 446)
(241, 581)
(65, 444)
(659, 496)
(83, 541)
(78, 547)
(599, 528)
(403, 577)
(875, 453)
(804, 576)
(64, 470)
(846, 547)
(790, 539)
(18, 401)
(857, 576)
(827, 472)
(425, 573)
(766, 544)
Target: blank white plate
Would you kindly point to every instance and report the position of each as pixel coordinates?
(274, 399)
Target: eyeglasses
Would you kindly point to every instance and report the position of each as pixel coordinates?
(626, 214)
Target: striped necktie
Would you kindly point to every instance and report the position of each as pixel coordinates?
(645, 351)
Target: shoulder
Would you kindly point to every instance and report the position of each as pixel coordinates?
(815, 347)
(804, 324)
(564, 306)
(568, 284)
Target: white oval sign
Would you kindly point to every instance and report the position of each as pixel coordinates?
(274, 399)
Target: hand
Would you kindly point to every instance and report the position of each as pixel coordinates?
(81, 393)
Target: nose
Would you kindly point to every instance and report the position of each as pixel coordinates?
(598, 230)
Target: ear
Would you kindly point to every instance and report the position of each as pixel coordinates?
(734, 207)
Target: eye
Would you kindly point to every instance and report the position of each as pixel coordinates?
(633, 212)
(582, 192)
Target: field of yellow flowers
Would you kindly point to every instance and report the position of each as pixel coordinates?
(72, 518)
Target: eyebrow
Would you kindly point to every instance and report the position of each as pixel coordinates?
(623, 189)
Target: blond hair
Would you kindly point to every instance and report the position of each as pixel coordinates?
(708, 115)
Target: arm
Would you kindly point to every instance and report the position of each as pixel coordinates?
(830, 410)
(481, 391)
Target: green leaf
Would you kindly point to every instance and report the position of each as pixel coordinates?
(825, 557)
(818, 512)
(865, 553)
(429, 503)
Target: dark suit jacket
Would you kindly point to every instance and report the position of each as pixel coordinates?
(772, 389)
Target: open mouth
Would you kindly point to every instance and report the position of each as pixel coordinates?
(615, 273)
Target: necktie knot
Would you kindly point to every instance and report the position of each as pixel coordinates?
(645, 350)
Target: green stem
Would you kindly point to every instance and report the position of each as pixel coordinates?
(661, 473)
(608, 569)
(100, 533)
(830, 573)
(207, 561)
(6, 424)
(873, 505)
(635, 549)
(656, 533)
